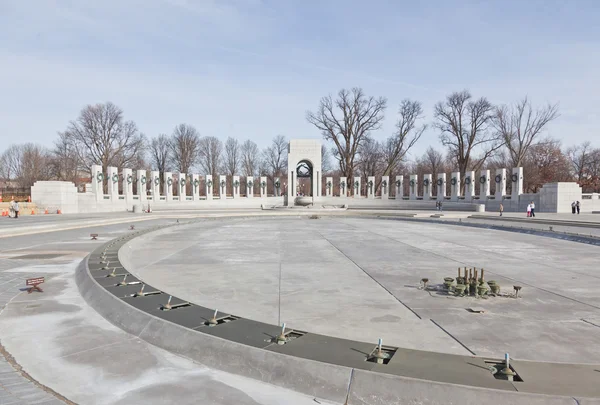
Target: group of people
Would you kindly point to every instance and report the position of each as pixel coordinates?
(575, 207)
(438, 205)
(531, 209)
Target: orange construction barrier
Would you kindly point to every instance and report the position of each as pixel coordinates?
(58, 212)
(32, 212)
(46, 211)
(3, 213)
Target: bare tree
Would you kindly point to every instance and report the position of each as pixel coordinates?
(160, 153)
(346, 122)
(232, 156)
(211, 149)
(519, 126)
(465, 126)
(275, 157)
(369, 160)
(185, 146)
(250, 158)
(65, 163)
(26, 164)
(432, 162)
(407, 134)
(580, 157)
(102, 136)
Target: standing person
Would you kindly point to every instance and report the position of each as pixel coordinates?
(532, 209)
(11, 208)
(16, 209)
(573, 207)
(578, 206)
(437, 205)
(441, 209)
(501, 209)
(528, 210)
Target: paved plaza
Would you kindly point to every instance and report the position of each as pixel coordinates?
(351, 276)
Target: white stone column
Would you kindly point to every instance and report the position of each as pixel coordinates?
(113, 183)
(98, 182)
(427, 186)
(277, 187)
(181, 186)
(484, 185)
(155, 186)
(236, 186)
(385, 187)
(249, 187)
(263, 187)
(399, 187)
(500, 181)
(168, 186)
(128, 185)
(344, 187)
(222, 187)
(517, 183)
(356, 187)
(328, 186)
(455, 186)
(209, 186)
(441, 187)
(142, 181)
(195, 187)
(469, 185)
(371, 187)
(413, 186)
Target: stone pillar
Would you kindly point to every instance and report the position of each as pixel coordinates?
(414, 182)
(195, 187)
(356, 187)
(371, 187)
(427, 186)
(155, 186)
(277, 187)
(484, 184)
(263, 187)
(98, 182)
(168, 186)
(236, 186)
(385, 187)
(517, 183)
(328, 186)
(222, 187)
(500, 180)
(128, 185)
(142, 181)
(209, 187)
(343, 187)
(469, 185)
(455, 186)
(441, 187)
(181, 186)
(399, 187)
(249, 187)
(113, 183)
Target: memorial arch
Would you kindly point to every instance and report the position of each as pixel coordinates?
(304, 161)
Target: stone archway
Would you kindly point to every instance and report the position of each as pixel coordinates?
(304, 161)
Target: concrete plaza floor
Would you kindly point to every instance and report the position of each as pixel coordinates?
(357, 278)
(341, 276)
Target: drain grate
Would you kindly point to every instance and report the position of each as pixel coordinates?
(387, 353)
(225, 319)
(497, 369)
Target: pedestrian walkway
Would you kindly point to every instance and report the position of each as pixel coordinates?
(15, 387)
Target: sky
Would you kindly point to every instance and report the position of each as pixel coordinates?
(251, 69)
